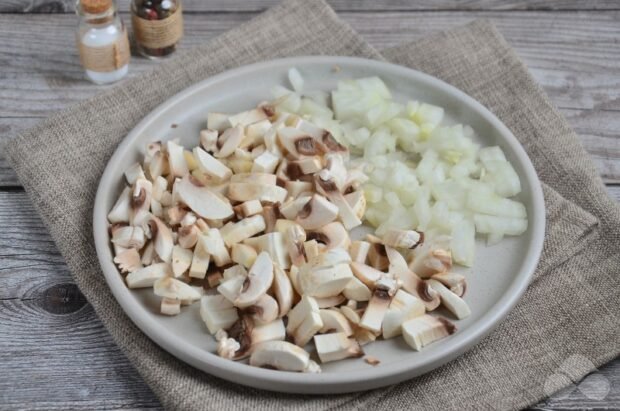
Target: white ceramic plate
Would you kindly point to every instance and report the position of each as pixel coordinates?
(499, 277)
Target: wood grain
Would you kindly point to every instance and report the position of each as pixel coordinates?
(574, 55)
(572, 51)
(77, 365)
(68, 6)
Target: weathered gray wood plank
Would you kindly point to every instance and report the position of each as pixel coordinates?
(76, 364)
(55, 353)
(575, 56)
(68, 6)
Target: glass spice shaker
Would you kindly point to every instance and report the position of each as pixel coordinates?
(102, 41)
(157, 26)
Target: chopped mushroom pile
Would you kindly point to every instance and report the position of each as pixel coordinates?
(254, 225)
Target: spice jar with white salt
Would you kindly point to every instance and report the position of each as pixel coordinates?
(102, 41)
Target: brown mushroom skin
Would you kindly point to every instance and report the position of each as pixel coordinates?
(241, 331)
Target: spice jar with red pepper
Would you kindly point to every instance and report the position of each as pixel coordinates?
(157, 26)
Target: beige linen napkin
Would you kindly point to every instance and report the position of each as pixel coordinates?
(566, 323)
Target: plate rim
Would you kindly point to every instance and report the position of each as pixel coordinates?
(337, 382)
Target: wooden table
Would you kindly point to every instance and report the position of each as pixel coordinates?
(54, 352)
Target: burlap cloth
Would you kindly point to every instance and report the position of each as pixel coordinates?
(566, 323)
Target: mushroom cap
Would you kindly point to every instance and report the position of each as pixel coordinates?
(280, 355)
(257, 282)
(265, 310)
(201, 200)
(335, 321)
(336, 346)
(163, 239)
(174, 289)
(316, 213)
(333, 235)
(283, 290)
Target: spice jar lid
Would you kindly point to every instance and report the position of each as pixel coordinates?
(95, 6)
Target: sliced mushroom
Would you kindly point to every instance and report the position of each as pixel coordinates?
(176, 159)
(377, 256)
(243, 254)
(280, 355)
(403, 307)
(299, 143)
(188, 236)
(217, 313)
(254, 178)
(140, 202)
(455, 282)
(311, 249)
(335, 321)
(255, 132)
(430, 261)
(336, 346)
(120, 211)
(326, 184)
(265, 310)
(201, 200)
(249, 208)
(258, 281)
(290, 208)
(146, 277)
(402, 238)
(214, 278)
(316, 213)
(263, 192)
(158, 165)
(189, 219)
(162, 237)
(293, 275)
(295, 188)
(366, 274)
(214, 245)
(129, 237)
(218, 121)
(351, 315)
(294, 239)
(128, 261)
(208, 140)
(357, 202)
(455, 304)
(333, 235)
(244, 229)
(421, 331)
(272, 331)
(378, 306)
(148, 254)
(364, 336)
(228, 141)
(324, 282)
(329, 302)
(160, 186)
(304, 320)
(226, 347)
(181, 260)
(170, 306)
(357, 290)
(282, 290)
(273, 245)
(236, 270)
(200, 261)
(247, 117)
(270, 214)
(211, 166)
(265, 163)
(359, 251)
(175, 215)
(171, 288)
(410, 281)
